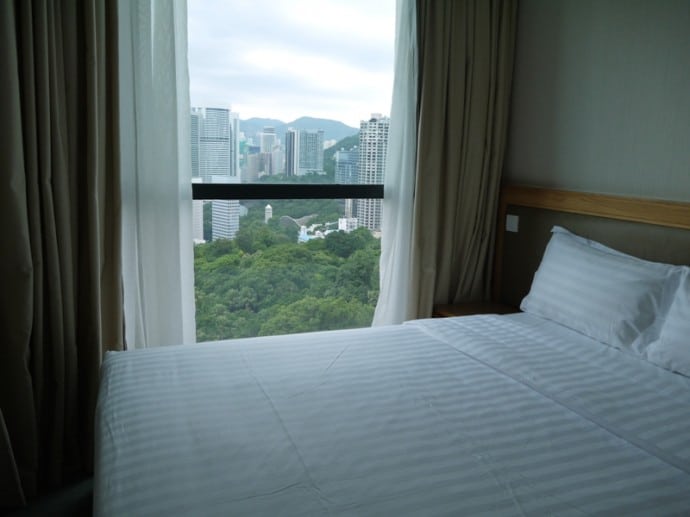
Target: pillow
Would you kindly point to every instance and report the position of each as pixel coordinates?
(602, 293)
(591, 243)
(672, 349)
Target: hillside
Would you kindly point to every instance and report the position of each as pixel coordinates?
(333, 129)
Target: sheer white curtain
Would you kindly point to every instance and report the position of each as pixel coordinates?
(395, 303)
(158, 260)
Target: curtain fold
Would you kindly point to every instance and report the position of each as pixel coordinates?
(466, 52)
(61, 297)
(158, 261)
(394, 303)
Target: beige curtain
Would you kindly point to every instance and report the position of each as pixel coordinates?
(465, 71)
(60, 299)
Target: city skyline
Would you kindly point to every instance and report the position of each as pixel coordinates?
(222, 153)
(285, 60)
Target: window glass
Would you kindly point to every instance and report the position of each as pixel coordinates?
(288, 92)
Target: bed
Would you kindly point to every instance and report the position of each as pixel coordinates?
(481, 415)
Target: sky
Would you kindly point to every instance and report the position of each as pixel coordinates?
(285, 59)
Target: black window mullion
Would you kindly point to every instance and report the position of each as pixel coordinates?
(284, 191)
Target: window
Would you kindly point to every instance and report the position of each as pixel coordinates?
(288, 182)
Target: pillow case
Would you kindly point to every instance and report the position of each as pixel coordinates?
(593, 244)
(672, 349)
(602, 293)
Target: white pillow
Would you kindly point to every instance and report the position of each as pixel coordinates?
(604, 294)
(592, 243)
(672, 349)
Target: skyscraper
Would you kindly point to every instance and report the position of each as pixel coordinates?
(267, 143)
(252, 167)
(303, 152)
(215, 159)
(291, 152)
(218, 141)
(277, 160)
(197, 216)
(373, 145)
(225, 215)
(346, 173)
(311, 152)
(195, 143)
(267, 139)
(198, 205)
(346, 166)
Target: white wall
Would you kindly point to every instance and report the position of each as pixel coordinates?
(601, 97)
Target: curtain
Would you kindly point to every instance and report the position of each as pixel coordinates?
(158, 262)
(465, 70)
(60, 267)
(394, 303)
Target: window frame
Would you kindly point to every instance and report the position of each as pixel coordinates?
(241, 191)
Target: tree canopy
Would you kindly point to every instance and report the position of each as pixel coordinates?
(265, 282)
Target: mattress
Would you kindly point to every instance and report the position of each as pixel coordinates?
(481, 415)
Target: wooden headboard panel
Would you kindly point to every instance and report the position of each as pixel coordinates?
(650, 229)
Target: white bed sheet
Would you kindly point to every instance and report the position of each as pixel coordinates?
(458, 416)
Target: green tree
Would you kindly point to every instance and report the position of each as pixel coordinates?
(345, 244)
(311, 314)
(264, 282)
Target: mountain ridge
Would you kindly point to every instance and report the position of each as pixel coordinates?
(332, 129)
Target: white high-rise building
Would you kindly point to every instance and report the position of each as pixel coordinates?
(195, 116)
(311, 152)
(303, 152)
(218, 143)
(350, 208)
(216, 159)
(373, 145)
(267, 139)
(278, 160)
(197, 217)
(197, 206)
(225, 216)
(346, 173)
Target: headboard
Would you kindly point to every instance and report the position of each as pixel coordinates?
(647, 228)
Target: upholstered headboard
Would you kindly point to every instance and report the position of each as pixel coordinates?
(651, 229)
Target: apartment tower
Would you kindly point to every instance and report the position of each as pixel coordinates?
(373, 145)
(303, 152)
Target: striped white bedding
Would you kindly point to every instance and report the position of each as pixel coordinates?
(481, 415)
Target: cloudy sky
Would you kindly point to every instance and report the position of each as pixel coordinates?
(285, 59)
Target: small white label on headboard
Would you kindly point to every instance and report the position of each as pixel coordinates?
(512, 223)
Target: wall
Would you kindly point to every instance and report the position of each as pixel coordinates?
(601, 97)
